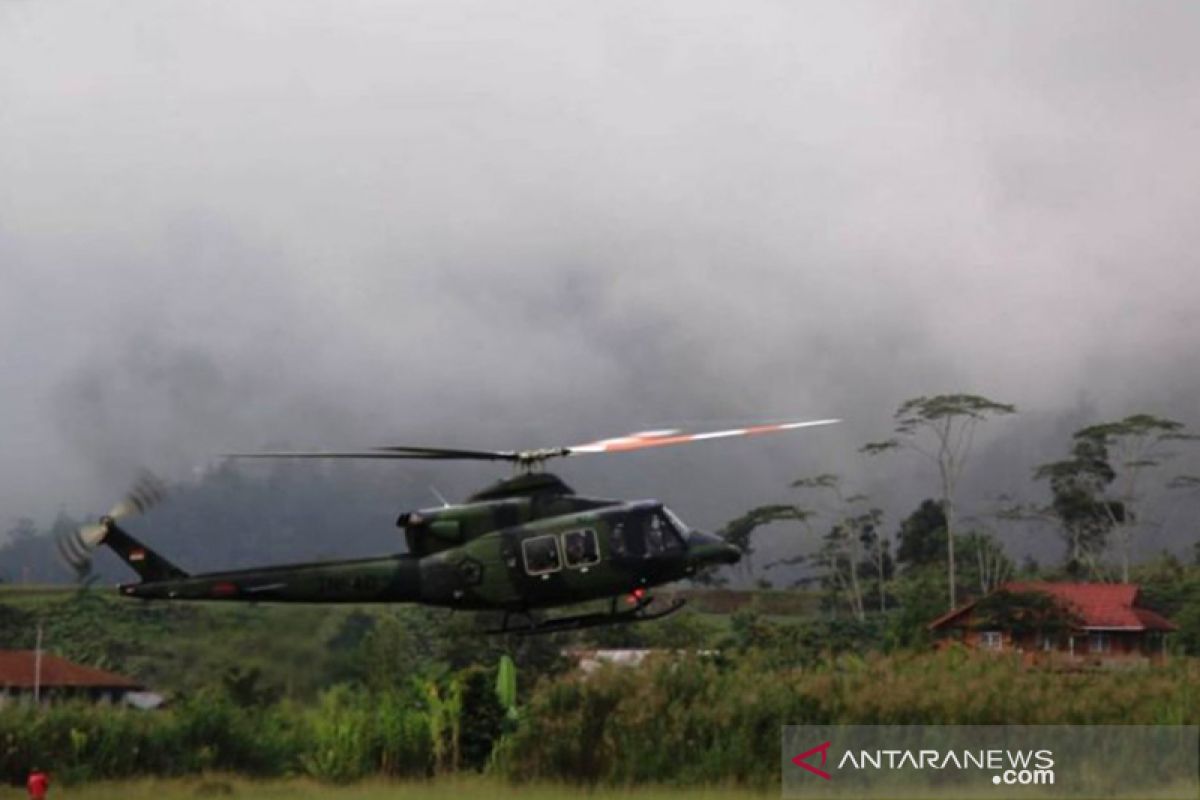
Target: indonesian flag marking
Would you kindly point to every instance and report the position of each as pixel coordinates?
(137, 555)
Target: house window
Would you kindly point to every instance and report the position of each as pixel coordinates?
(1099, 642)
(541, 555)
(581, 548)
(991, 640)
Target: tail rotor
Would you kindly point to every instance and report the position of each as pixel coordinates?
(76, 548)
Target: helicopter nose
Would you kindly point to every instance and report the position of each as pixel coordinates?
(706, 548)
(730, 554)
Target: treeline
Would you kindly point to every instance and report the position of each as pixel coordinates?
(684, 720)
(1112, 485)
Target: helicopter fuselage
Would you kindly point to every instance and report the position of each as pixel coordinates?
(513, 550)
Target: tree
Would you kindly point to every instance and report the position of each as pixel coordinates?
(923, 536)
(739, 531)
(853, 547)
(984, 564)
(942, 428)
(1024, 613)
(917, 594)
(1111, 461)
(23, 530)
(1190, 485)
(1084, 513)
(851, 554)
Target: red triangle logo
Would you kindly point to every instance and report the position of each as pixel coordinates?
(802, 760)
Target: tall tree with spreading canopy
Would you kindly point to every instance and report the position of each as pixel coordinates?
(740, 531)
(1106, 478)
(942, 429)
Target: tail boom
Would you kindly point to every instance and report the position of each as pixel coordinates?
(382, 579)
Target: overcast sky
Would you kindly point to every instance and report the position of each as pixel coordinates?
(228, 225)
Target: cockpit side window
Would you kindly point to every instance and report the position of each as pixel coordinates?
(663, 533)
(581, 548)
(541, 555)
(646, 535)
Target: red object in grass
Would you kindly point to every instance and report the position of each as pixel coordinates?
(38, 784)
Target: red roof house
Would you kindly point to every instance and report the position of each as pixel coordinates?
(1093, 622)
(20, 673)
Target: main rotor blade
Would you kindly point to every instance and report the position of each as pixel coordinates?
(527, 458)
(641, 441)
(399, 452)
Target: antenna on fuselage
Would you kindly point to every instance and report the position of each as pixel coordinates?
(445, 503)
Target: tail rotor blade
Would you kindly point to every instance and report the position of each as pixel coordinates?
(76, 547)
(146, 493)
(75, 552)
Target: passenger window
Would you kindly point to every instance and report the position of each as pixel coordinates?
(541, 555)
(581, 548)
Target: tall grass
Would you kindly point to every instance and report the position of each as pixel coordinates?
(691, 721)
(682, 721)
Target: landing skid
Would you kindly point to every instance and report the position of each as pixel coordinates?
(638, 613)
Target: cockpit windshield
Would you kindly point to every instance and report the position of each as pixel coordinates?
(646, 535)
(680, 526)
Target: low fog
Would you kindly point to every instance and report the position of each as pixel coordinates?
(229, 226)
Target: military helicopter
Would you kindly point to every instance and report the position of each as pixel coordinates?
(525, 543)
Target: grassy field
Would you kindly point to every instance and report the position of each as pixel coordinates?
(447, 789)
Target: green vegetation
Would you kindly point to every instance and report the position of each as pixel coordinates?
(182, 648)
(678, 720)
(218, 785)
(700, 720)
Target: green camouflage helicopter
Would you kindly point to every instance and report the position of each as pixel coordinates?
(522, 544)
